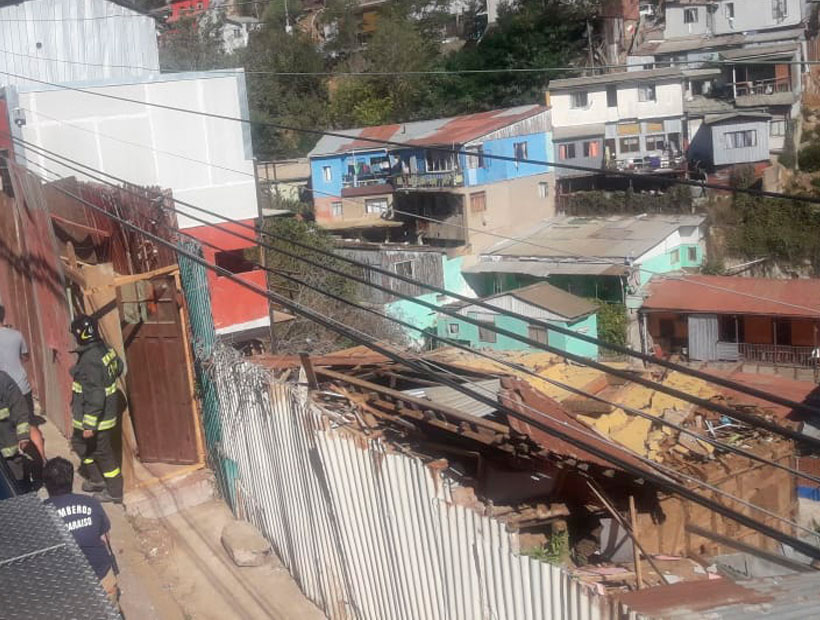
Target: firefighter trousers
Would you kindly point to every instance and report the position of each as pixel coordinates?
(99, 459)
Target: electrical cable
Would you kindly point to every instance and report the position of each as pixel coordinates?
(443, 149)
(524, 241)
(748, 418)
(333, 325)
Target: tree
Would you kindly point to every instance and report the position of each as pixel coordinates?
(303, 334)
(194, 44)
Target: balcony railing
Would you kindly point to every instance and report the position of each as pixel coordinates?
(421, 180)
(647, 163)
(776, 354)
(763, 87)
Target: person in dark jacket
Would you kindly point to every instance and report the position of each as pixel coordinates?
(94, 411)
(14, 427)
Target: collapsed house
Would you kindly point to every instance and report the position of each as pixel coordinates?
(565, 503)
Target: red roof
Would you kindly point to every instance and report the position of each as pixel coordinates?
(732, 295)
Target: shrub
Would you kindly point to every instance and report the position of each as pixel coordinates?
(809, 157)
(612, 323)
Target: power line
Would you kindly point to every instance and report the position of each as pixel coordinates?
(462, 226)
(374, 345)
(579, 359)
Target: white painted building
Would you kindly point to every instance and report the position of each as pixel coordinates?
(686, 18)
(205, 161)
(74, 40)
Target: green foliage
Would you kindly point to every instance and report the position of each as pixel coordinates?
(779, 229)
(612, 323)
(555, 551)
(742, 176)
(677, 199)
(809, 157)
(713, 266)
(194, 44)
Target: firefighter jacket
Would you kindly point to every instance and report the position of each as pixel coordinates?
(14, 416)
(93, 399)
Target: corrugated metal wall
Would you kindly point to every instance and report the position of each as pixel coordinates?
(703, 337)
(426, 266)
(74, 41)
(368, 532)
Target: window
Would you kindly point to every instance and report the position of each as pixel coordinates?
(520, 150)
(692, 255)
(780, 9)
(674, 257)
(777, 127)
(404, 268)
(452, 329)
(566, 151)
(690, 16)
(439, 161)
(543, 189)
(630, 145)
(741, 139)
(592, 148)
(612, 96)
(237, 261)
(327, 174)
(729, 9)
(478, 202)
(476, 158)
(539, 334)
(655, 143)
(579, 99)
(485, 334)
(646, 92)
(336, 209)
(375, 205)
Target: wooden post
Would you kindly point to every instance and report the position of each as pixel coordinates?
(313, 382)
(636, 552)
(189, 364)
(101, 301)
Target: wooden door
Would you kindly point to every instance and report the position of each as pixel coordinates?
(159, 390)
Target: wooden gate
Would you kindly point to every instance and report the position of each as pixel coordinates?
(161, 394)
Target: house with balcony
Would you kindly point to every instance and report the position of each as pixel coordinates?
(631, 120)
(758, 321)
(437, 182)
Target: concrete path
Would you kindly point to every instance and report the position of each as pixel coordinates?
(175, 568)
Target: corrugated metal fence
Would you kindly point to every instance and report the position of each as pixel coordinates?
(366, 531)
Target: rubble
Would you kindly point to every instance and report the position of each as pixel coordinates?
(244, 544)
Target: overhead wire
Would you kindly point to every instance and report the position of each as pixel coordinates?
(521, 240)
(626, 375)
(658, 479)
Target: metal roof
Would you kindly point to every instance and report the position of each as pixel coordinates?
(714, 119)
(700, 105)
(620, 237)
(685, 44)
(43, 573)
(449, 397)
(620, 77)
(788, 596)
(754, 101)
(578, 131)
(545, 268)
(761, 50)
(434, 132)
(547, 297)
(735, 295)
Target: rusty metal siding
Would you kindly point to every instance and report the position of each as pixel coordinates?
(368, 532)
(427, 267)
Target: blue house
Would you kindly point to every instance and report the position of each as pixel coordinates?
(375, 191)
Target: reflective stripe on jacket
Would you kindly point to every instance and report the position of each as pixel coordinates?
(14, 425)
(93, 401)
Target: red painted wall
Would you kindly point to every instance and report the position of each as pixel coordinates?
(187, 8)
(232, 303)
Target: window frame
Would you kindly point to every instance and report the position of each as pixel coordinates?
(691, 15)
(612, 96)
(629, 139)
(780, 9)
(543, 190)
(337, 208)
(692, 254)
(777, 122)
(368, 202)
(729, 10)
(520, 151)
(478, 202)
(574, 97)
(433, 159)
(748, 136)
(674, 257)
(647, 93)
(404, 272)
(569, 151)
(453, 329)
(538, 333)
(475, 158)
(327, 173)
(654, 139)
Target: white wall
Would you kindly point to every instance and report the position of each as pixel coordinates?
(56, 41)
(685, 235)
(668, 102)
(146, 145)
(748, 15)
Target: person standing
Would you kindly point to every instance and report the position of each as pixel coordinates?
(85, 519)
(14, 428)
(13, 355)
(94, 410)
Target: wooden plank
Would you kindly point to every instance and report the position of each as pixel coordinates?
(636, 552)
(189, 367)
(137, 277)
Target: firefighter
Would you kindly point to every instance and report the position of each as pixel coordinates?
(94, 408)
(15, 432)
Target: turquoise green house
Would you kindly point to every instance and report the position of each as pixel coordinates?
(539, 301)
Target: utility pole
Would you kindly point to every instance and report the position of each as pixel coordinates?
(589, 47)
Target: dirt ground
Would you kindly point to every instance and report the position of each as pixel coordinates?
(175, 568)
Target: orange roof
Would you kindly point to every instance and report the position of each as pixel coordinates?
(733, 295)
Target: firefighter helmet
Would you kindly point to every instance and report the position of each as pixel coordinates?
(85, 329)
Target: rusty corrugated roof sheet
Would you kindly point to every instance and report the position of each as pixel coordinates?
(733, 295)
(435, 132)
